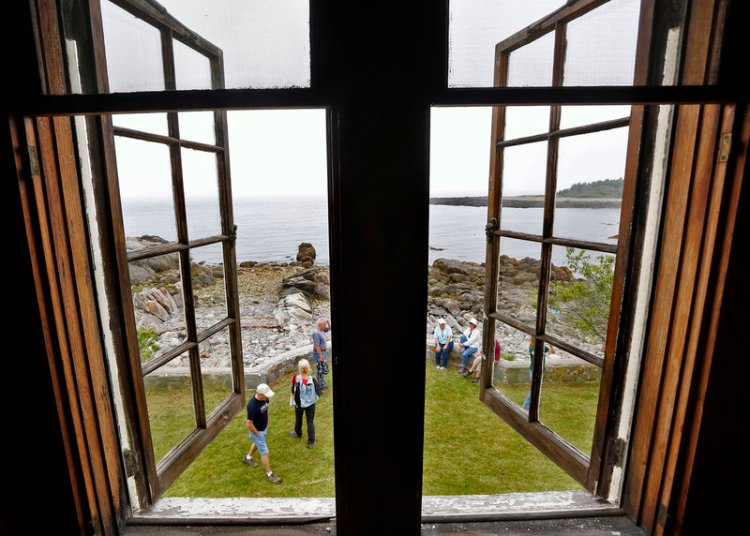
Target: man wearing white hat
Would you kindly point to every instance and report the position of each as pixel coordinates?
(470, 340)
(257, 425)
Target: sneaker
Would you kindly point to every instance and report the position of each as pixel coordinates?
(475, 380)
(273, 478)
(437, 367)
(466, 374)
(310, 444)
(249, 461)
(294, 435)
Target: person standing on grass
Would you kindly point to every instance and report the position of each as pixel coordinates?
(305, 393)
(320, 350)
(443, 344)
(257, 425)
(470, 341)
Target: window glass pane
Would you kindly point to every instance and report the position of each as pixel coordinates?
(197, 126)
(133, 51)
(155, 123)
(215, 354)
(521, 121)
(601, 45)
(158, 304)
(580, 292)
(518, 279)
(524, 178)
(209, 294)
(512, 373)
(191, 68)
(476, 26)
(590, 170)
(531, 65)
(171, 413)
(570, 393)
(575, 116)
(265, 44)
(144, 173)
(201, 182)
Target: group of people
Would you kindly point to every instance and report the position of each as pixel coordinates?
(306, 390)
(470, 342)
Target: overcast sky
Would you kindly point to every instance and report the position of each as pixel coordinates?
(266, 44)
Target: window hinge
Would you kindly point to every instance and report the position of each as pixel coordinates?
(233, 234)
(618, 450)
(33, 160)
(725, 147)
(131, 462)
(96, 525)
(662, 516)
(492, 226)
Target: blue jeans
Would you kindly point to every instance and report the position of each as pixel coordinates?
(443, 350)
(318, 374)
(468, 352)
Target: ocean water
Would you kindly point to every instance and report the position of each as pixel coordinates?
(269, 229)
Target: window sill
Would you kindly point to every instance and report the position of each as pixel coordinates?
(435, 509)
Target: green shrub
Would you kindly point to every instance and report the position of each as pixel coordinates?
(147, 345)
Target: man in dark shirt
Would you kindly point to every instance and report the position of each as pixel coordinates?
(257, 425)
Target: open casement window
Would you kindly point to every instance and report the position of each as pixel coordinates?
(189, 160)
(550, 139)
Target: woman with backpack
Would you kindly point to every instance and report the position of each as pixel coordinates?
(305, 393)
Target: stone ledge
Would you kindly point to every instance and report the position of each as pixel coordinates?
(265, 372)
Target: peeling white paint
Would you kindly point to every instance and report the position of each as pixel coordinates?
(644, 287)
(239, 509)
(87, 182)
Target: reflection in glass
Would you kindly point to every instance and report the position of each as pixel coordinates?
(215, 352)
(518, 279)
(579, 298)
(524, 178)
(171, 413)
(191, 68)
(521, 121)
(201, 183)
(209, 294)
(590, 171)
(511, 374)
(576, 116)
(133, 49)
(601, 45)
(570, 394)
(155, 123)
(197, 126)
(145, 177)
(531, 65)
(158, 304)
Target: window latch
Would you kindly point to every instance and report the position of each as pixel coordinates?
(492, 226)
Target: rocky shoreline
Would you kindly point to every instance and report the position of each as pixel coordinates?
(280, 301)
(529, 201)
(278, 305)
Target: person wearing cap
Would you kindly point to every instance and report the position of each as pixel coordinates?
(443, 344)
(470, 341)
(257, 426)
(320, 349)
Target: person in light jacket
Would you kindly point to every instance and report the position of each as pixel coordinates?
(305, 394)
(470, 341)
(443, 344)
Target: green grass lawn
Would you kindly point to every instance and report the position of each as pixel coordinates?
(468, 449)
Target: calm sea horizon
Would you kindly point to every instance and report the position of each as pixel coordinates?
(270, 228)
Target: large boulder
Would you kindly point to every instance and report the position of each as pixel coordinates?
(298, 284)
(306, 254)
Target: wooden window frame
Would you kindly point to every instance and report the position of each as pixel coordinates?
(357, 497)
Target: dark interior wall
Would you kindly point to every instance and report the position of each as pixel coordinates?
(34, 477)
(715, 501)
